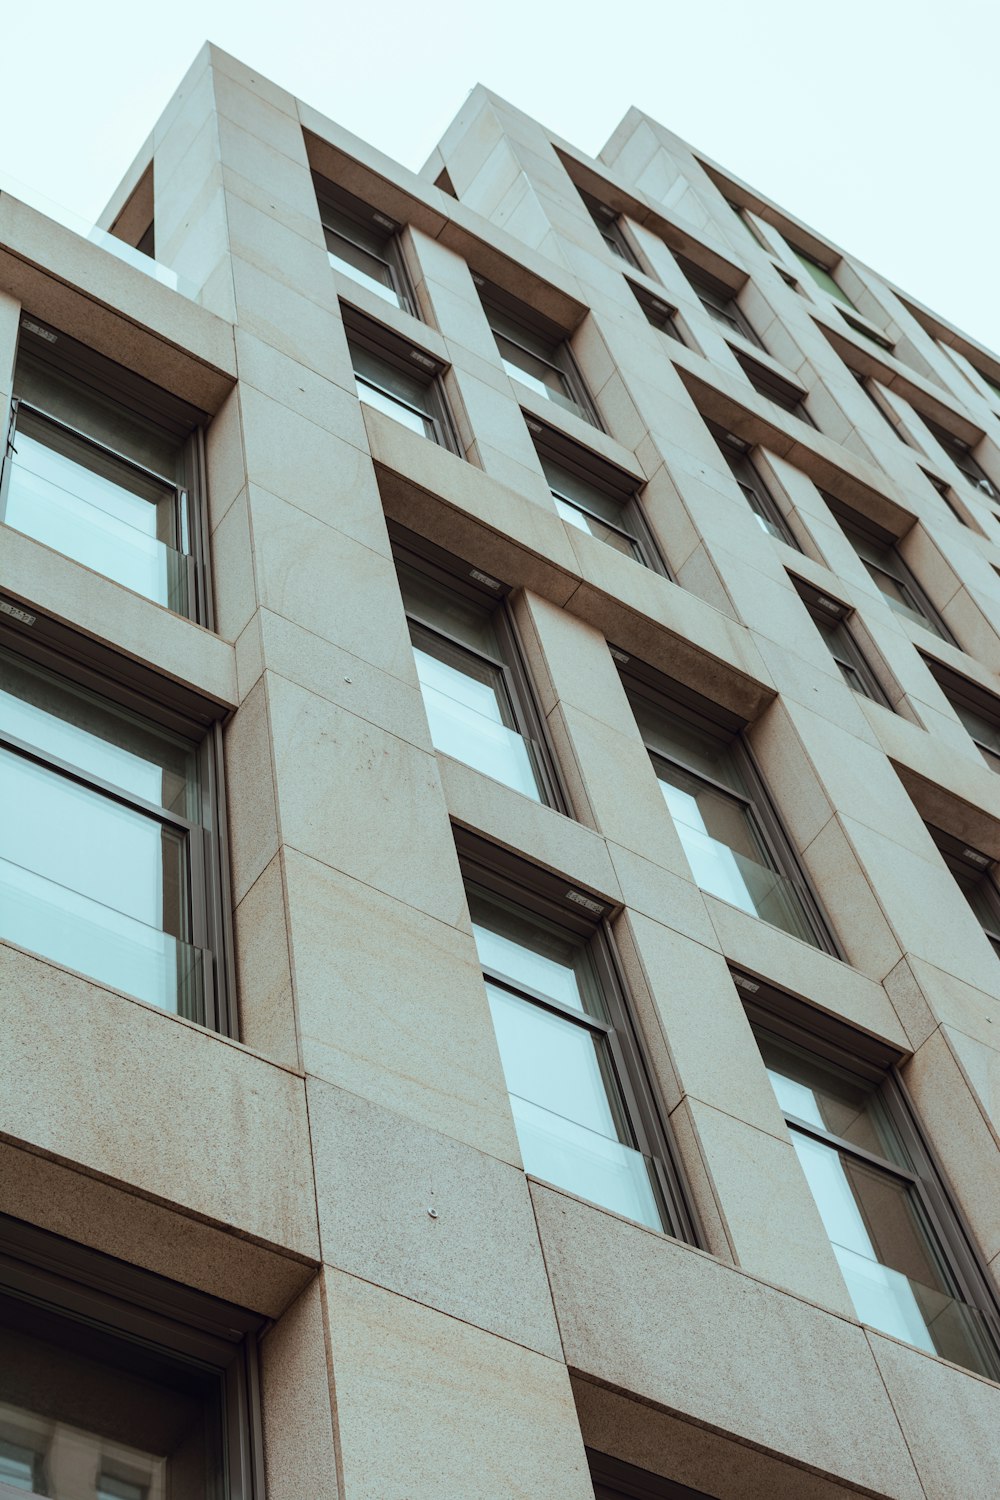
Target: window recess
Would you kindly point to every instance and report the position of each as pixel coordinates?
(822, 276)
(877, 549)
(112, 857)
(613, 1479)
(908, 1262)
(961, 455)
(609, 227)
(728, 828)
(107, 468)
(718, 300)
(362, 243)
(978, 710)
(975, 876)
(480, 708)
(586, 1114)
(831, 619)
(767, 382)
(399, 379)
(595, 497)
(657, 312)
(118, 1384)
(756, 493)
(535, 352)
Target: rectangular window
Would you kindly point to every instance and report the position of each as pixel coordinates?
(728, 829)
(610, 229)
(579, 1091)
(109, 845)
(974, 875)
(961, 456)
(361, 243)
(399, 379)
(909, 1268)
(596, 497)
(784, 393)
(754, 490)
(978, 710)
(659, 313)
(874, 395)
(535, 352)
(878, 551)
(873, 335)
(478, 701)
(718, 300)
(831, 618)
(822, 276)
(104, 467)
(143, 1392)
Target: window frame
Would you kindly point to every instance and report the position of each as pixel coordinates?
(100, 672)
(963, 693)
(678, 701)
(972, 869)
(614, 1479)
(622, 488)
(719, 300)
(778, 389)
(658, 313)
(832, 619)
(812, 265)
(609, 227)
(560, 357)
(852, 521)
(871, 390)
(587, 916)
(470, 582)
(333, 199)
(411, 360)
(762, 503)
(963, 457)
(140, 1305)
(876, 1065)
(97, 373)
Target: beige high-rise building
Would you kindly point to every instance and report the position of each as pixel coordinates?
(499, 811)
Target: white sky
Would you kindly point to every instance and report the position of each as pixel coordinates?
(880, 132)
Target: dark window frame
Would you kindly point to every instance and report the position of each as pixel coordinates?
(737, 454)
(961, 692)
(609, 227)
(559, 354)
(658, 313)
(974, 871)
(68, 358)
(678, 701)
(335, 202)
(873, 1063)
(963, 457)
(832, 619)
(870, 388)
(411, 360)
(719, 300)
(622, 488)
(780, 390)
(855, 525)
(875, 336)
(614, 1479)
(140, 1305)
(468, 581)
(589, 917)
(101, 672)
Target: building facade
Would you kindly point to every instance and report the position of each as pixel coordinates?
(500, 741)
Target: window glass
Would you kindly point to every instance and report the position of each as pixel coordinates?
(100, 841)
(345, 246)
(86, 1412)
(565, 1093)
(985, 733)
(398, 394)
(887, 572)
(822, 277)
(589, 508)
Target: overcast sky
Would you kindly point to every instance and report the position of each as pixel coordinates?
(874, 120)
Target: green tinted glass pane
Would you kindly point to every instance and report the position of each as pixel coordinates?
(822, 277)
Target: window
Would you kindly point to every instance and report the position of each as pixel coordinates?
(718, 300)
(117, 1384)
(960, 454)
(755, 492)
(988, 380)
(977, 708)
(748, 224)
(873, 335)
(831, 620)
(909, 1268)
(596, 497)
(873, 394)
(579, 1092)
(767, 382)
(534, 352)
(361, 244)
(610, 229)
(973, 872)
(822, 276)
(878, 551)
(102, 466)
(730, 834)
(400, 380)
(109, 844)
(479, 705)
(945, 491)
(658, 312)
(613, 1479)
